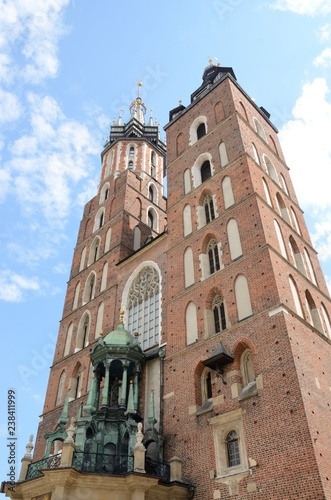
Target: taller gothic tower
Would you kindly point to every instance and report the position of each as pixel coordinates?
(214, 380)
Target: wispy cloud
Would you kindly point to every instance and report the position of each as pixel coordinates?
(304, 7)
(324, 33)
(13, 286)
(311, 164)
(324, 59)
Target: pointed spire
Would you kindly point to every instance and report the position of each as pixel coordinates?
(151, 414)
(151, 118)
(130, 407)
(138, 108)
(64, 415)
(120, 121)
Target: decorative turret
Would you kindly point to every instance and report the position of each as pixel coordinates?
(108, 426)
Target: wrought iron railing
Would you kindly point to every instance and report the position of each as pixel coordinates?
(110, 464)
(35, 468)
(100, 463)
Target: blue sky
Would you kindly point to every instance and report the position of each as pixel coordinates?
(66, 69)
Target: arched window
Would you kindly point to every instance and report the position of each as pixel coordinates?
(143, 306)
(295, 295)
(242, 297)
(109, 162)
(153, 164)
(76, 296)
(201, 130)
(213, 257)
(270, 169)
(150, 193)
(187, 181)
(99, 219)
(131, 152)
(313, 311)
(232, 446)
(247, 368)
(259, 129)
(104, 193)
(206, 385)
(223, 154)
(198, 129)
(94, 251)
(266, 191)
(89, 290)
(209, 208)
(187, 220)
(150, 218)
(227, 192)
(284, 185)
(68, 340)
(326, 320)
(310, 267)
(83, 332)
(282, 208)
(297, 257)
(280, 239)
(108, 239)
(76, 383)
(130, 165)
(234, 239)
(103, 285)
(244, 112)
(219, 314)
(205, 171)
(136, 238)
(180, 143)
(295, 221)
(191, 324)
(61, 387)
(219, 111)
(188, 267)
(255, 153)
(82, 259)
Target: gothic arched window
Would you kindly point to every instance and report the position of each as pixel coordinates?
(209, 208)
(219, 314)
(143, 307)
(201, 130)
(205, 171)
(213, 257)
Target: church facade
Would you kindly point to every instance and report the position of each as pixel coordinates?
(193, 356)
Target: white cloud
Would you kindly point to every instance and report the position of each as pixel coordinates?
(324, 59)
(306, 7)
(13, 286)
(10, 108)
(37, 26)
(49, 161)
(324, 33)
(307, 148)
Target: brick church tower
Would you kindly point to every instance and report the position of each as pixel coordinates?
(214, 380)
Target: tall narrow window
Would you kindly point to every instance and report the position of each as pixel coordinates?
(187, 220)
(201, 130)
(219, 314)
(89, 289)
(191, 324)
(131, 152)
(82, 259)
(130, 165)
(295, 295)
(150, 220)
(282, 208)
(310, 267)
(223, 154)
(232, 449)
(280, 239)
(270, 169)
(143, 305)
(213, 257)
(188, 267)
(234, 239)
(242, 297)
(83, 332)
(259, 129)
(68, 340)
(266, 191)
(227, 192)
(297, 257)
(313, 311)
(209, 208)
(60, 391)
(187, 181)
(205, 171)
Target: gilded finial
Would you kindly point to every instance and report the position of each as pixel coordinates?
(210, 60)
(121, 316)
(139, 85)
(179, 101)
(101, 333)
